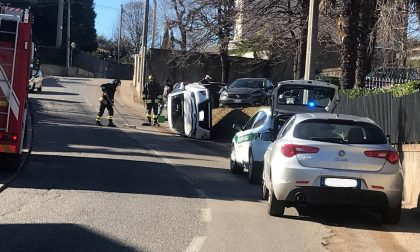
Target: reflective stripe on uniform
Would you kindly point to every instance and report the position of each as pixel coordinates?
(148, 115)
(155, 116)
(110, 117)
(159, 97)
(98, 118)
(157, 101)
(149, 101)
(4, 104)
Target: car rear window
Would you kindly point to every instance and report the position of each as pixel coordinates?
(313, 96)
(339, 131)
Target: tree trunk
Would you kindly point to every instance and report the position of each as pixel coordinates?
(404, 36)
(366, 39)
(347, 26)
(300, 57)
(183, 38)
(224, 58)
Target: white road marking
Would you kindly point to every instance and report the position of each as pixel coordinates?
(206, 214)
(196, 244)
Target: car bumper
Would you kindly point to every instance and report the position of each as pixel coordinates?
(245, 101)
(285, 181)
(321, 196)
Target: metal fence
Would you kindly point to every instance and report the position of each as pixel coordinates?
(377, 82)
(399, 117)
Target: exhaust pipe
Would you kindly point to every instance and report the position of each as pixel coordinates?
(300, 197)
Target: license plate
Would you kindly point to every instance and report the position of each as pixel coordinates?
(237, 101)
(339, 182)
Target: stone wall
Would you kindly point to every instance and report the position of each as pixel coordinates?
(410, 158)
(163, 64)
(56, 70)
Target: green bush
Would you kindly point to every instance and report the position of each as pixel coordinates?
(397, 90)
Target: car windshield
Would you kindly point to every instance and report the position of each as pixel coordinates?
(312, 96)
(247, 83)
(339, 131)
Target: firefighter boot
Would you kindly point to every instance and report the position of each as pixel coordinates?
(98, 121)
(111, 124)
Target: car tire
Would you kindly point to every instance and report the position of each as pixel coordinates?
(275, 206)
(391, 215)
(265, 191)
(254, 170)
(234, 167)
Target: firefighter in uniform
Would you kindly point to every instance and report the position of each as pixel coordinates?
(152, 96)
(107, 101)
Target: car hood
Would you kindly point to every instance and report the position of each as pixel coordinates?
(242, 90)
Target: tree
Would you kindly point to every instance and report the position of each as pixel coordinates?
(368, 18)
(182, 20)
(347, 26)
(83, 30)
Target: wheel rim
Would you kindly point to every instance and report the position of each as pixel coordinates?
(264, 190)
(232, 157)
(251, 163)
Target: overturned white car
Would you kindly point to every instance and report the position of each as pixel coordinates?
(189, 110)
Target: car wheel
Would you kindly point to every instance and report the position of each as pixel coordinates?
(391, 215)
(265, 191)
(234, 167)
(254, 170)
(275, 206)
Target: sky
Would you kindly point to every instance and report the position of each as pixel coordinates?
(107, 16)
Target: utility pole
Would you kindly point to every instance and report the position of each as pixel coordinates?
(59, 38)
(154, 23)
(119, 35)
(312, 39)
(144, 43)
(68, 38)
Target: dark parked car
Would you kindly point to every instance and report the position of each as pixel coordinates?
(214, 88)
(247, 91)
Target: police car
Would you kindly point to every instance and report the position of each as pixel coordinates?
(290, 97)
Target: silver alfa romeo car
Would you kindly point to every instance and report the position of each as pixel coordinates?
(333, 159)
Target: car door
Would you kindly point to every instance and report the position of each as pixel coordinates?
(243, 138)
(262, 139)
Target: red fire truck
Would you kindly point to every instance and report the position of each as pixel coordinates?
(15, 59)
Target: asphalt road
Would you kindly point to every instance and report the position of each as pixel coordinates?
(88, 188)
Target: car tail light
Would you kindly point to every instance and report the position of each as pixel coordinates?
(8, 137)
(289, 150)
(390, 156)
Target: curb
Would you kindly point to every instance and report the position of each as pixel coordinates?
(27, 146)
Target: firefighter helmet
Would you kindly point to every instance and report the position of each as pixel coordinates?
(151, 77)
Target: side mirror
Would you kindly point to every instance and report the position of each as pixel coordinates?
(237, 127)
(266, 136)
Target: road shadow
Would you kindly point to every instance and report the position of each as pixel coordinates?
(356, 218)
(70, 155)
(55, 237)
(52, 82)
(56, 93)
(56, 100)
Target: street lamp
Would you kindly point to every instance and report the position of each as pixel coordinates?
(73, 46)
